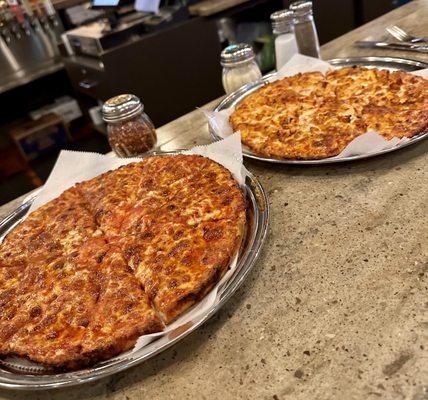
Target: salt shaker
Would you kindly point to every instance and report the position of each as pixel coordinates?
(304, 28)
(285, 40)
(239, 67)
(130, 131)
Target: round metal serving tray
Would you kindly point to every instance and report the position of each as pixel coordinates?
(36, 377)
(390, 63)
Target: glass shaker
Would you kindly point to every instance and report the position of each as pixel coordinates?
(305, 30)
(285, 40)
(130, 131)
(239, 67)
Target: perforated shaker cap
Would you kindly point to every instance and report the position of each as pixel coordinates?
(281, 19)
(121, 107)
(236, 54)
(301, 8)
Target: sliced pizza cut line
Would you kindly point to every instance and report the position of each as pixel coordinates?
(78, 286)
(315, 116)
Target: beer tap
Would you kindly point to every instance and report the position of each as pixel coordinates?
(37, 11)
(55, 25)
(28, 15)
(19, 22)
(21, 18)
(44, 30)
(51, 13)
(4, 23)
(34, 14)
(51, 25)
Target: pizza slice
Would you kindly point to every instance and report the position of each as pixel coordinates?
(395, 121)
(122, 313)
(54, 303)
(207, 191)
(49, 258)
(107, 196)
(55, 228)
(88, 307)
(178, 264)
(132, 189)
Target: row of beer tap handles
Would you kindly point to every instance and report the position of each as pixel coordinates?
(21, 17)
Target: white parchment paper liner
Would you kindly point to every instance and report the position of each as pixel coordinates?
(368, 143)
(72, 167)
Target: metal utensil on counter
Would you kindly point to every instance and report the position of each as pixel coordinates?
(403, 36)
(419, 48)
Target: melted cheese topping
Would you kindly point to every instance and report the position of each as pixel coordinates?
(89, 272)
(313, 116)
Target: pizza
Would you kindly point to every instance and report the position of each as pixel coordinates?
(314, 116)
(117, 257)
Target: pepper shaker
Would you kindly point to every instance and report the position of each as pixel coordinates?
(304, 28)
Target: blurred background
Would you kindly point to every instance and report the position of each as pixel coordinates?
(60, 59)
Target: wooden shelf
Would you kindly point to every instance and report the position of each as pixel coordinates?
(210, 7)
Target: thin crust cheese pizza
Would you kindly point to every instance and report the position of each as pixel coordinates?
(314, 116)
(117, 257)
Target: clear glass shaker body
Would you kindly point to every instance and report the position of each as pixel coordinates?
(132, 136)
(304, 29)
(235, 76)
(307, 37)
(285, 43)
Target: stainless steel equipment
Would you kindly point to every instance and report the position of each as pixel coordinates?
(29, 37)
(390, 63)
(95, 38)
(403, 36)
(160, 63)
(402, 46)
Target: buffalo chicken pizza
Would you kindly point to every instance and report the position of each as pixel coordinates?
(314, 116)
(117, 257)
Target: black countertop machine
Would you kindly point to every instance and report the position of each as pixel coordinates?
(168, 59)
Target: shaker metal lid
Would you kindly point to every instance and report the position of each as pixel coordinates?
(282, 16)
(121, 107)
(236, 54)
(282, 20)
(301, 8)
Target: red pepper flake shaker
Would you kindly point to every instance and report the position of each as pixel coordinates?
(130, 130)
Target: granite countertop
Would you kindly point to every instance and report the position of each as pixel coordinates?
(336, 306)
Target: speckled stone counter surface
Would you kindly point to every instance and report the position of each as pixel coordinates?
(336, 306)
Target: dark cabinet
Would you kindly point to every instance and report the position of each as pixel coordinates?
(173, 71)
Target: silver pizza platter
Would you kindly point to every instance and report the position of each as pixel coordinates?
(19, 374)
(389, 63)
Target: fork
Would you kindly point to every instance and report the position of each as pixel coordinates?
(403, 36)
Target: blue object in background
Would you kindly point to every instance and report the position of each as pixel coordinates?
(38, 143)
(147, 5)
(105, 3)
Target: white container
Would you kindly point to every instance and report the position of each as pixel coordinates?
(285, 40)
(285, 48)
(66, 107)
